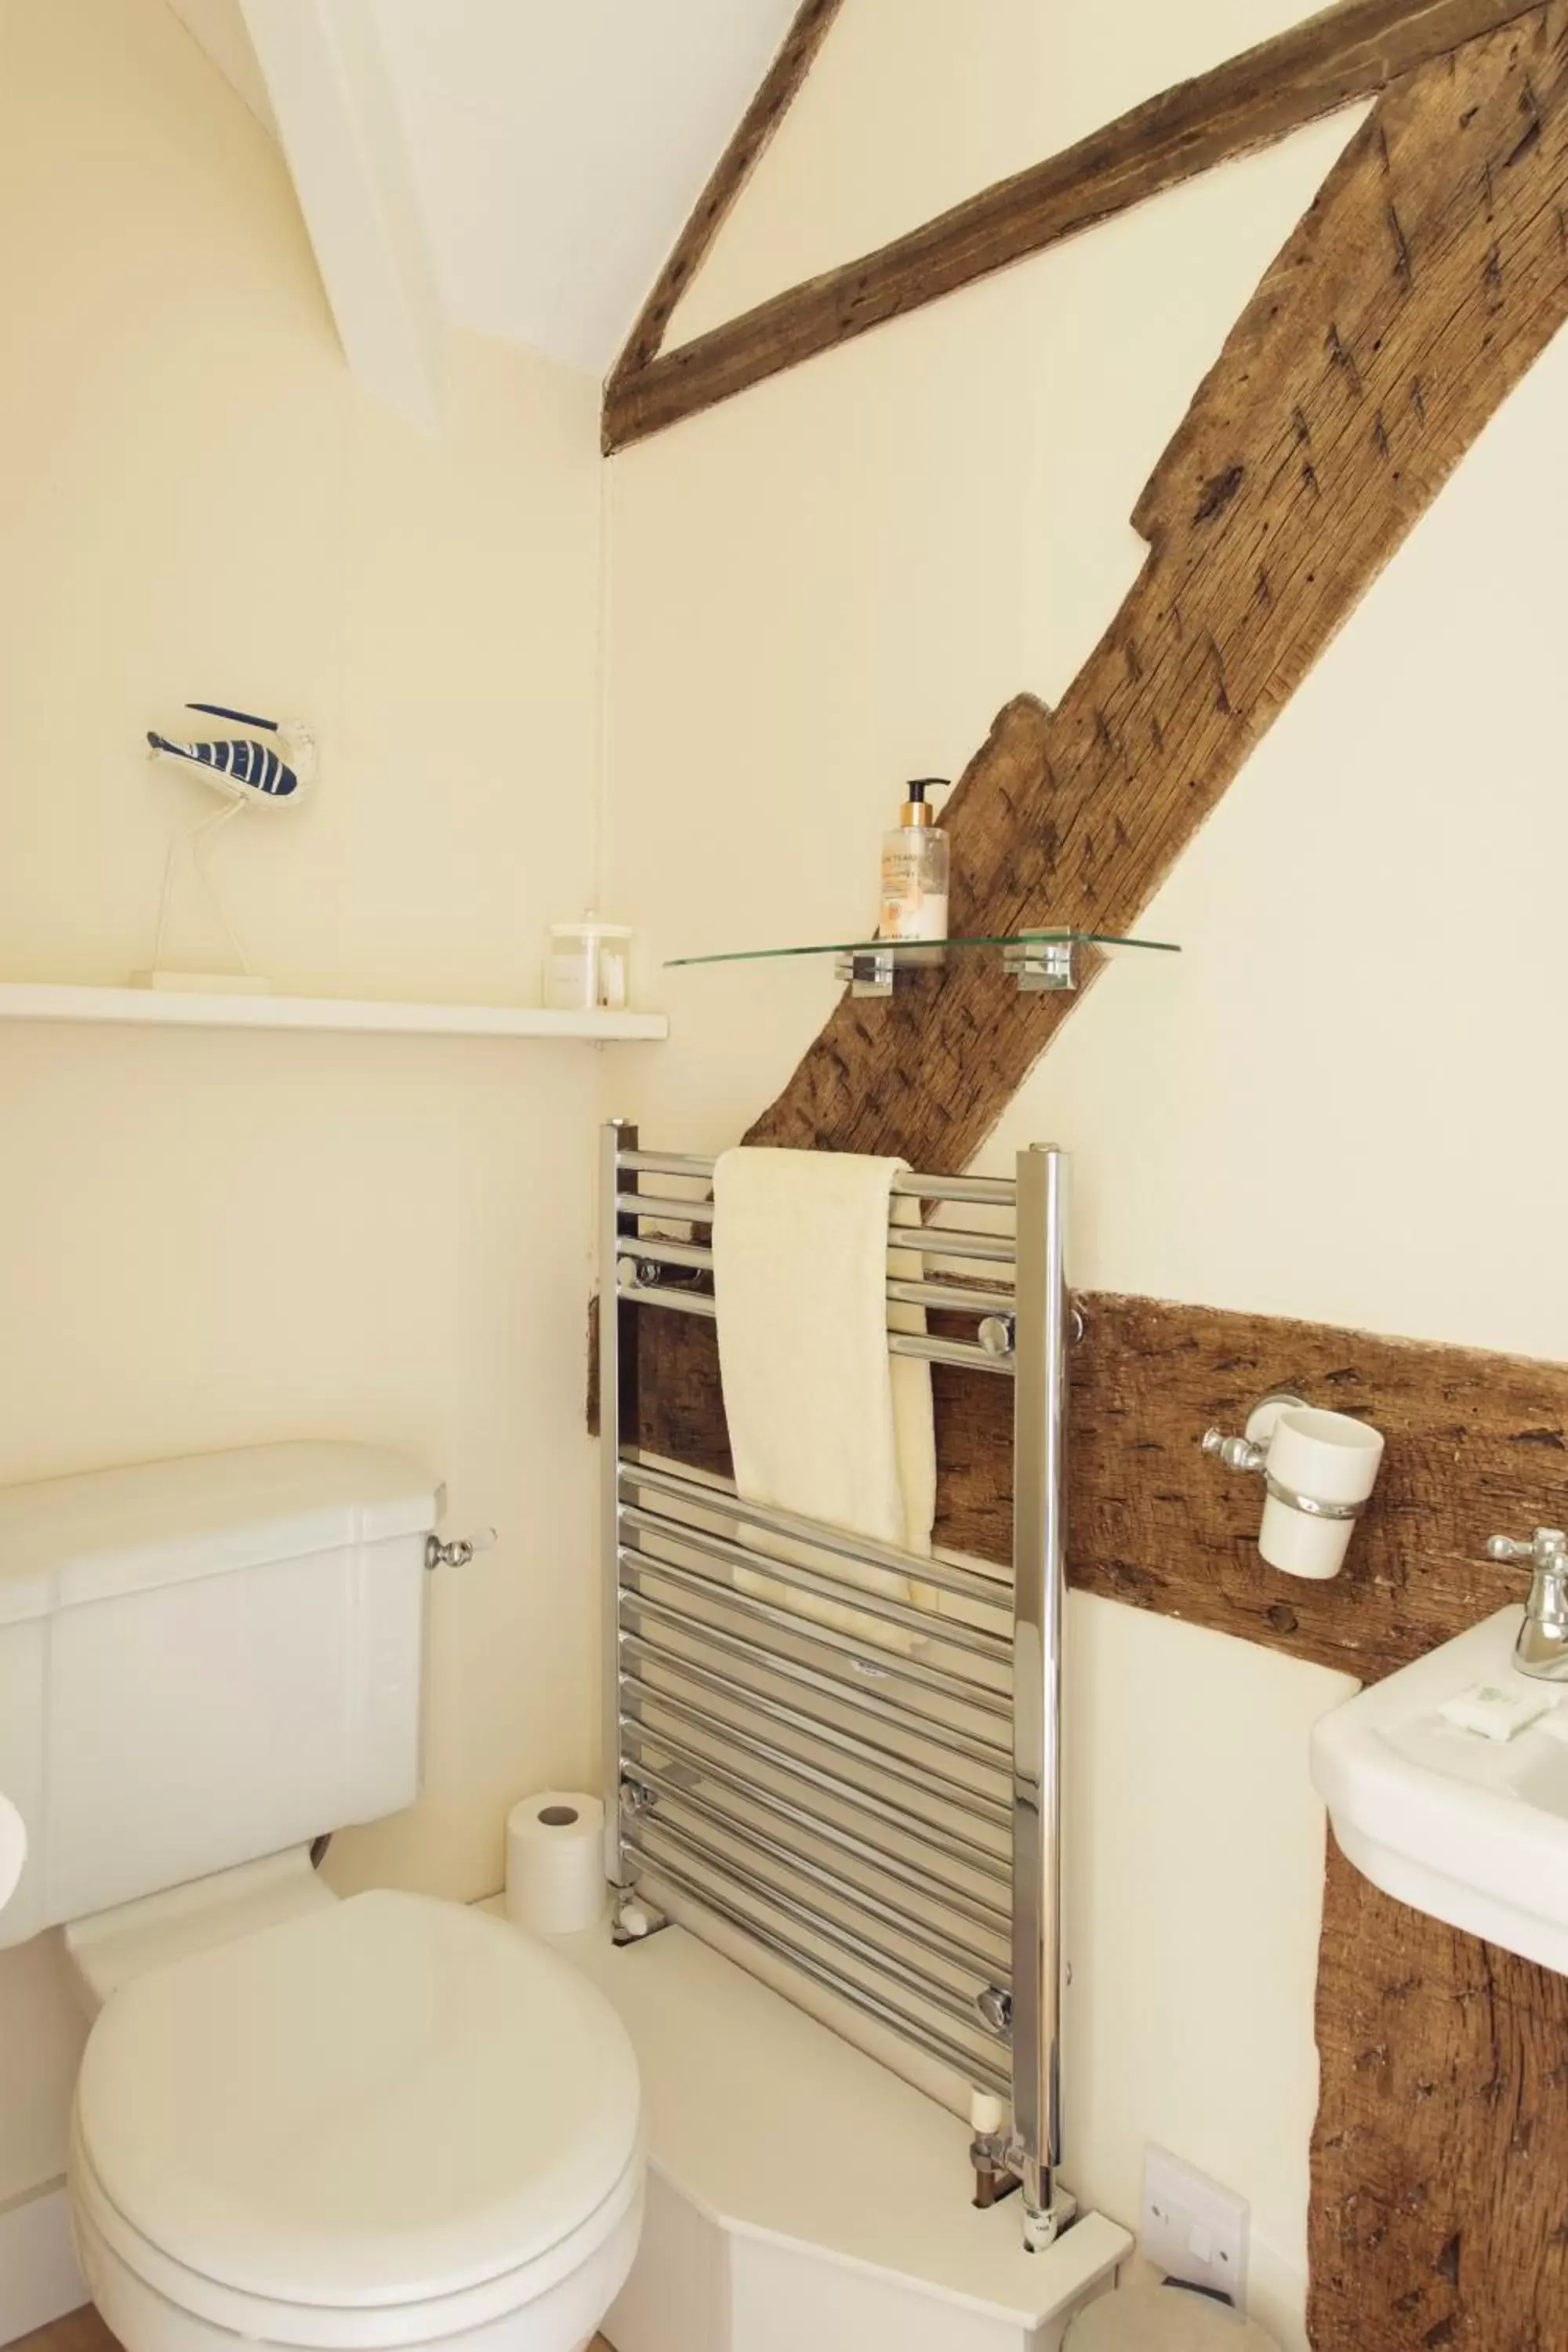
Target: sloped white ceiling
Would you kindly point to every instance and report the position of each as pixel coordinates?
(556, 151)
(554, 148)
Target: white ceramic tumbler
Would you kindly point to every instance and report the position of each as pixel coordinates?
(588, 965)
(1326, 1458)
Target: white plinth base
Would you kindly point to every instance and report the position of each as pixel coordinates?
(803, 2196)
(40, 2277)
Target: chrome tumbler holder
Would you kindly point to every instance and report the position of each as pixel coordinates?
(1250, 1453)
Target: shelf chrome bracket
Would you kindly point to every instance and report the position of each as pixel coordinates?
(1041, 966)
(868, 972)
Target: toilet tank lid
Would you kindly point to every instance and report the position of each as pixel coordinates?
(107, 1532)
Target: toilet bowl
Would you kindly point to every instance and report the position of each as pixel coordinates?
(381, 2122)
(386, 2122)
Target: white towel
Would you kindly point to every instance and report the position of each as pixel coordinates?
(823, 1419)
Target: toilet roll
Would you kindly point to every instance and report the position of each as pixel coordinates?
(555, 1861)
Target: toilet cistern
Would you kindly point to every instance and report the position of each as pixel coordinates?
(1542, 1649)
(13, 1849)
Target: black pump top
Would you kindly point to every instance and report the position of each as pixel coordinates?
(918, 787)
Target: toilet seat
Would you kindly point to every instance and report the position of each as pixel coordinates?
(130, 2278)
(379, 2124)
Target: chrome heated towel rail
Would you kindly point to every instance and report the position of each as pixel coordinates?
(846, 1754)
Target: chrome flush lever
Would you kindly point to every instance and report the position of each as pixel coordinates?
(1542, 1649)
(460, 1551)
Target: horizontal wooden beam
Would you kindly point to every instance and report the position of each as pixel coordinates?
(1475, 1441)
(773, 101)
(1348, 52)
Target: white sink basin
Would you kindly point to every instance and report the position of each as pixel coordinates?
(1469, 1830)
(13, 1850)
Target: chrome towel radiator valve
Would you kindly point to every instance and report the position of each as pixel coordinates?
(1542, 1649)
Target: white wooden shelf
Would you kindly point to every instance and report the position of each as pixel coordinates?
(25, 999)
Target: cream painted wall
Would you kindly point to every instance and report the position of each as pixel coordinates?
(209, 1239)
(831, 584)
(815, 591)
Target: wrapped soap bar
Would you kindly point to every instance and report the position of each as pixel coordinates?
(1495, 1712)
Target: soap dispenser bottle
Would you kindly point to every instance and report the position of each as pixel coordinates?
(914, 873)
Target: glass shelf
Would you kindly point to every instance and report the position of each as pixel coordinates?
(1040, 961)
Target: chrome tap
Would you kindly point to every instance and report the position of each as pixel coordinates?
(1542, 1649)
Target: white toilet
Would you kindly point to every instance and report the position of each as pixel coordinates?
(385, 2121)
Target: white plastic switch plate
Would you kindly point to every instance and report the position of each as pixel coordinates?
(1192, 2227)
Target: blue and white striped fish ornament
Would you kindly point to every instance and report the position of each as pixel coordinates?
(239, 766)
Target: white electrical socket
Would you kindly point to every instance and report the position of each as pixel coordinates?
(1192, 2227)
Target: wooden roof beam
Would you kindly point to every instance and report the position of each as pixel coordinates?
(1351, 51)
(808, 30)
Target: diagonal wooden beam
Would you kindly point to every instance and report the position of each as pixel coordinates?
(1430, 271)
(812, 22)
(1349, 52)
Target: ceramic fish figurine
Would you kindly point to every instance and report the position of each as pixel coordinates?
(243, 770)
